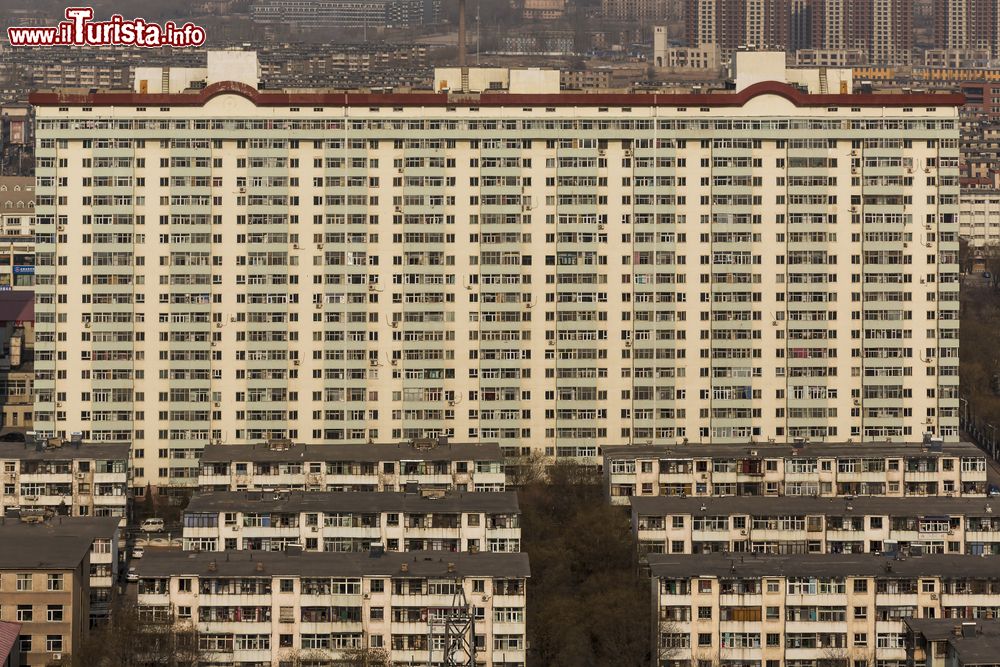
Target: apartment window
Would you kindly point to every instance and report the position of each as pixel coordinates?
(54, 613)
(861, 639)
(55, 582)
(704, 613)
(377, 613)
(704, 585)
(25, 644)
(53, 643)
(927, 585)
(861, 612)
(377, 585)
(24, 613)
(24, 582)
(860, 585)
(774, 639)
(677, 521)
(286, 585)
(773, 586)
(183, 612)
(184, 585)
(704, 639)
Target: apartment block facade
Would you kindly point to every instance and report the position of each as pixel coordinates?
(808, 610)
(813, 469)
(911, 527)
(71, 479)
(266, 608)
(553, 272)
(353, 522)
(424, 466)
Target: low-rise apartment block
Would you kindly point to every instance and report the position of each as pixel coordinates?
(55, 576)
(17, 358)
(824, 609)
(759, 524)
(266, 608)
(279, 464)
(353, 521)
(942, 642)
(66, 478)
(800, 469)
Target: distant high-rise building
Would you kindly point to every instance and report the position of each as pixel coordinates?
(732, 24)
(883, 29)
(374, 14)
(962, 25)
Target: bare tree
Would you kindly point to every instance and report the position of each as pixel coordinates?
(366, 657)
(127, 640)
(525, 470)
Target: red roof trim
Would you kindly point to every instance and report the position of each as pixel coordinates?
(267, 98)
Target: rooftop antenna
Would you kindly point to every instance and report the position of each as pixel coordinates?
(461, 46)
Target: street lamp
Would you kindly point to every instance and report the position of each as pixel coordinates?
(964, 402)
(993, 439)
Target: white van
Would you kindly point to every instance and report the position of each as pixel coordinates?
(152, 526)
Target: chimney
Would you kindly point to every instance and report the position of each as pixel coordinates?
(212, 566)
(405, 567)
(451, 568)
(259, 567)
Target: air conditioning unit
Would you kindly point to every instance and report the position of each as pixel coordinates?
(81, 475)
(451, 404)
(243, 191)
(57, 657)
(236, 529)
(600, 227)
(218, 325)
(217, 404)
(61, 228)
(295, 246)
(297, 362)
(372, 287)
(319, 246)
(319, 306)
(315, 529)
(394, 362)
(86, 325)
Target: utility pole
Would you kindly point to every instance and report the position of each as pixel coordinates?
(457, 626)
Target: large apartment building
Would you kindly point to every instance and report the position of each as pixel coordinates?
(816, 525)
(553, 272)
(353, 521)
(800, 469)
(279, 608)
(835, 610)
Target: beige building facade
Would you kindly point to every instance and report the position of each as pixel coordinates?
(818, 609)
(265, 608)
(353, 521)
(799, 469)
(552, 272)
(910, 527)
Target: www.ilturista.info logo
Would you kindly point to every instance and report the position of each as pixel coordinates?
(79, 30)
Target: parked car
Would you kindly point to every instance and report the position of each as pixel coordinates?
(138, 552)
(133, 574)
(993, 491)
(152, 526)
